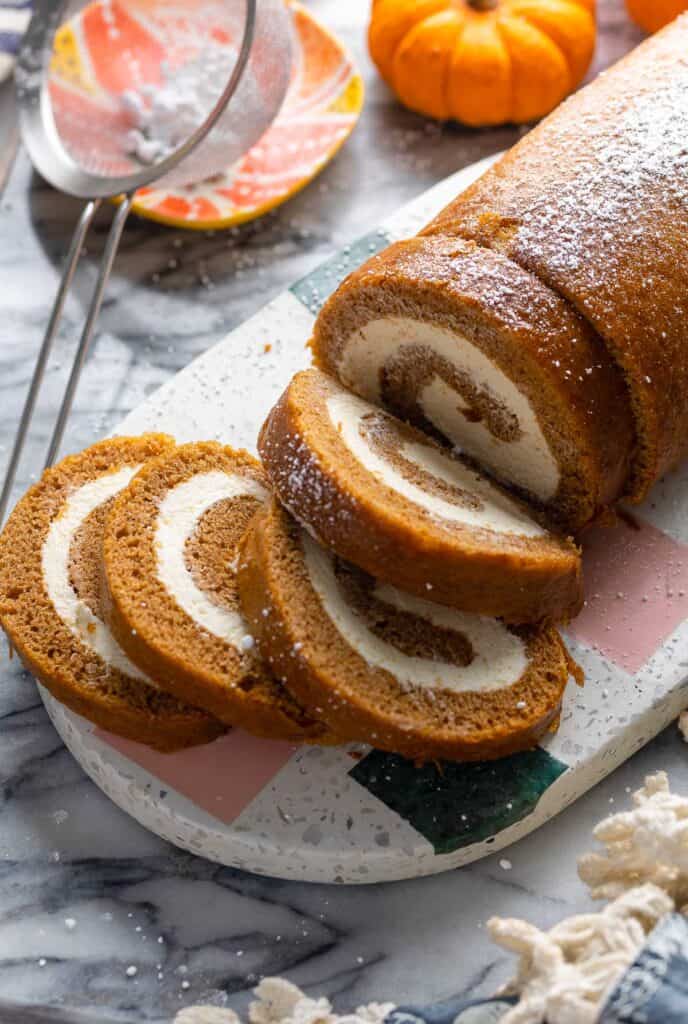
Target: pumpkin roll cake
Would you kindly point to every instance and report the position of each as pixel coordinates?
(390, 499)
(594, 202)
(392, 669)
(169, 587)
(50, 606)
(462, 342)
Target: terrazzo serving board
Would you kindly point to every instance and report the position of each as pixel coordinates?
(354, 814)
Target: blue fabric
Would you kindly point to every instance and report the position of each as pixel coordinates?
(11, 32)
(9, 42)
(453, 1011)
(654, 990)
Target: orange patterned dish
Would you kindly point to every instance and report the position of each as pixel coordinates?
(321, 108)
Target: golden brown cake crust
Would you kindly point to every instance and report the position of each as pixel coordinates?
(594, 201)
(521, 579)
(366, 703)
(526, 329)
(157, 634)
(73, 674)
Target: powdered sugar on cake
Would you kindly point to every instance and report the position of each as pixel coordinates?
(602, 224)
(644, 154)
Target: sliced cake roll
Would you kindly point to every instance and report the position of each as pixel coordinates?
(388, 668)
(594, 202)
(169, 588)
(390, 499)
(463, 342)
(50, 606)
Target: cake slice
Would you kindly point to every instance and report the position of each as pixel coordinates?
(594, 202)
(390, 669)
(462, 342)
(390, 499)
(50, 605)
(169, 588)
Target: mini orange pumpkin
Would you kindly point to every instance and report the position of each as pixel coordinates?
(482, 62)
(652, 15)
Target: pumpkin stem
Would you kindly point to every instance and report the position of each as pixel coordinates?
(482, 5)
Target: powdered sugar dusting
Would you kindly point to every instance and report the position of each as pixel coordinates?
(626, 161)
(165, 115)
(595, 203)
(640, 162)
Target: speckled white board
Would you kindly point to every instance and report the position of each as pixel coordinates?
(352, 814)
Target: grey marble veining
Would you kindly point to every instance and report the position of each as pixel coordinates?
(86, 893)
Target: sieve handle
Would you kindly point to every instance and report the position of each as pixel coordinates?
(75, 250)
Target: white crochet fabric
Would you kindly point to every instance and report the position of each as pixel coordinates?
(565, 974)
(206, 1015)
(647, 844)
(280, 1002)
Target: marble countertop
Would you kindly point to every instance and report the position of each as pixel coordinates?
(85, 892)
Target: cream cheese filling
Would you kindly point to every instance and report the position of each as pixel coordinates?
(180, 512)
(527, 461)
(91, 631)
(496, 512)
(499, 655)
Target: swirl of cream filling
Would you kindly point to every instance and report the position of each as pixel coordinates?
(522, 457)
(490, 510)
(498, 659)
(178, 517)
(91, 631)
